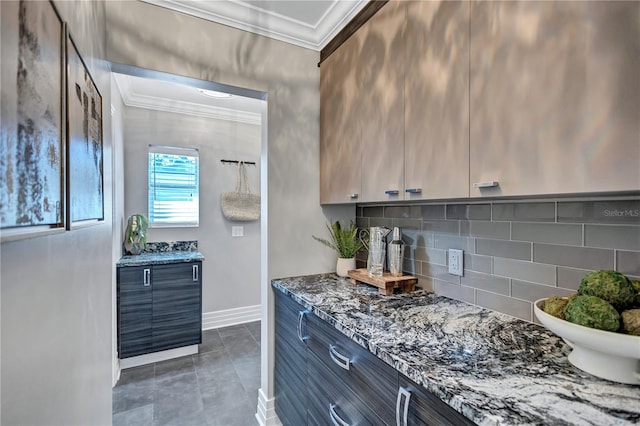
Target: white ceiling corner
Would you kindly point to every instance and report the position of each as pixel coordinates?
(177, 98)
(306, 23)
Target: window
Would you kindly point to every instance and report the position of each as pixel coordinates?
(173, 186)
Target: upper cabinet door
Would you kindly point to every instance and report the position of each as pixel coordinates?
(380, 71)
(555, 97)
(437, 100)
(340, 126)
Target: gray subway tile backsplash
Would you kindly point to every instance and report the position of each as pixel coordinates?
(499, 248)
(554, 233)
(628, 262)
(527, 271)
(576, 257)
(486, 282)
(524, 212)
(613, 212)
(531, 292)
(469, 211)
(476, 228)
(514, 252)
(569, 278)
(624, 237)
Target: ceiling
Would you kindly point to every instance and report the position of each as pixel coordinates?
(306, 23)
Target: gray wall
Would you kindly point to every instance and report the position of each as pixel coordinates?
(515, 252)
(56, 291)
(139, 36)
(231, 277)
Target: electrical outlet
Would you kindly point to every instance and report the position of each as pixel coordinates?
(237, 231)
(456, 261)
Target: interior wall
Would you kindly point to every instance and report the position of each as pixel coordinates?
(117, 112)
(231, 270)
(56, 290)
(289, 74)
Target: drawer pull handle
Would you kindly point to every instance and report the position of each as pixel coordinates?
(491, 184)
(414, 190)
(405, 411)
(341, 360)
(146, 277)
(335, 418)
(392, 192)
(354, 196)
(195, 272)
(301, 315)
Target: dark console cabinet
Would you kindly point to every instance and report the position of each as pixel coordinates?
(159, 307)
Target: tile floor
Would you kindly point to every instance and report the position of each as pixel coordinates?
(216, 387)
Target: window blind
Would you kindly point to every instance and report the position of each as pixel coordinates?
(173, 186)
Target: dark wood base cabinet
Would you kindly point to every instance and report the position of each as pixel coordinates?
(322, 377)
(159, 307)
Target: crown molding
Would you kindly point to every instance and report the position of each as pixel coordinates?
(246, 17)
(132, 99)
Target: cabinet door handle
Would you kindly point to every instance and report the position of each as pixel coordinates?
(335, 418)
(490, 184)
(302, 337)
(341, 360)
(146, 277)
(392, 192)
(354, 196)
(414, 190)
(405, 411)
(195, 272)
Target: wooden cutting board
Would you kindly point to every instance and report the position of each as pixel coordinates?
(386, 283)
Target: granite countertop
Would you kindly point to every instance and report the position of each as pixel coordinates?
(159, 258)
(491, 367)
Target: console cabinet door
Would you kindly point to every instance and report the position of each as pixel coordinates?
(290, 370)
(177, 305)
(135, 310)
(554, 97)
(380, 70)
(424, 408)
(436, 88)
(340, 126)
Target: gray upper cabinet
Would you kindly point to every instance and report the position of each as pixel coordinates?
(554, 97)
(340, 126)
(381, 89)
(436, 86)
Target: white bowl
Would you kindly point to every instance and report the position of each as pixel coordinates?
(611, 356)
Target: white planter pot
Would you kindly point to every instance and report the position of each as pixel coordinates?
(345, 265)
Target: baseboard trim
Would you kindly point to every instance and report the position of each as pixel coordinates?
(115, 371)
(218, 319)
(266, 411)
(136, 361)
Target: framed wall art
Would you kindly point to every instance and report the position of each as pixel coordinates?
(85, 187)
(32, 140)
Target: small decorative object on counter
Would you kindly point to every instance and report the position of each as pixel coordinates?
(601, 323)
(135, 236)
(345, 241)
(374, 239)
(396, 253)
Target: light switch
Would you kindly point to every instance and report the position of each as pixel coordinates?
(237, 231)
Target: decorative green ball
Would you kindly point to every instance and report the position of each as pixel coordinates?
(555, 306)
(593, 312)
(610, 286)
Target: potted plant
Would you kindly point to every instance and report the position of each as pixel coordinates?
(135, 236)
(345, 241)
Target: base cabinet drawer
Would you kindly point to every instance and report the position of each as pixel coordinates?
(332, 402)
(417, 406)
(364, 375)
